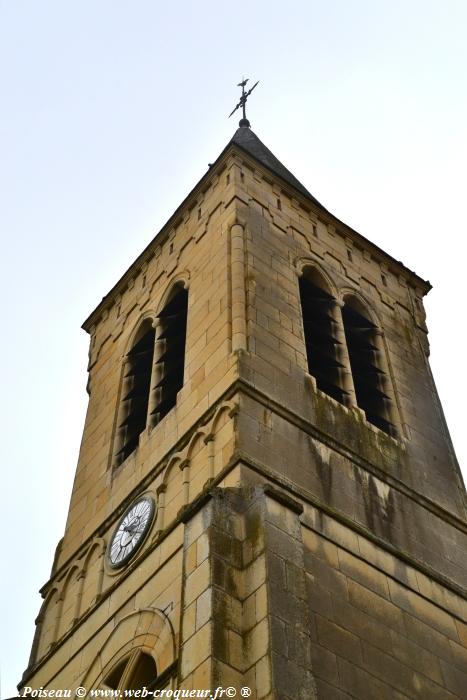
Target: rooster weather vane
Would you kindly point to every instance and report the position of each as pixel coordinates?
(242, 102)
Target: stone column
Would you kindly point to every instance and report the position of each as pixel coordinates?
(237, 251)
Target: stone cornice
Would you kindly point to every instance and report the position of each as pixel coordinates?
(241, 385)
(355, 457)
(207, 180)
(295, 492)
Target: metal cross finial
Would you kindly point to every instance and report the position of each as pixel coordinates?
(242, 102)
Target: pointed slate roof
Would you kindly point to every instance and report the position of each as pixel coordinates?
(249, 142)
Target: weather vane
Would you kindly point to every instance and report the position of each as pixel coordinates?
(242, 102)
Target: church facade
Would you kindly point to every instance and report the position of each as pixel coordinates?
(266, 495)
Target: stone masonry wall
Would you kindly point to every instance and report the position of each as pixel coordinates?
(279, 242)
(357, 485)
(197, 251)
(381, 629)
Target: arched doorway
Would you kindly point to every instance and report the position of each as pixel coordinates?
(136, 671)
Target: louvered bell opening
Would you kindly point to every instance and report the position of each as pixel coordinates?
(144, 344)
(381, 423)
(165, 395)
(177, 305)
(168, 369)
(136, 385)
(368, 377)
(171, 354)
(140, 363)
(164, 406)
(367, 361)
(322, 344)
(137, 414)
(135, 395)
(129, 447)
(137, 391)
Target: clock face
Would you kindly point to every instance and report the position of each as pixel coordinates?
(130, 532)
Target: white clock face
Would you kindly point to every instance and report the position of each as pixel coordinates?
(130, 532)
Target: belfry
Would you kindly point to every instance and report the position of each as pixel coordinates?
(266, 499)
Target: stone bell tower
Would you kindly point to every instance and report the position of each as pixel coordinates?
(266, 495)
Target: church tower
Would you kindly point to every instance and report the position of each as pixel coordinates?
(266, 495)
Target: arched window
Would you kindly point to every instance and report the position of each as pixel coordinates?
(134, 402)
(140, 651)
(323, 346)
(366, 362)
(170, 354)
(136, 671)
(153, 373)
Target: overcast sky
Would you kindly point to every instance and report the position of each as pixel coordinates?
(111, 111)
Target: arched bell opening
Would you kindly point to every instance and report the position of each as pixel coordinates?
(325, 359)
(367, 364)
(169, 361)
(136, 384)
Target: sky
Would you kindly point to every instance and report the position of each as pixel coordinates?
(111, 112)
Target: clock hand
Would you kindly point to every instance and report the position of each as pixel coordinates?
(132, 525)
